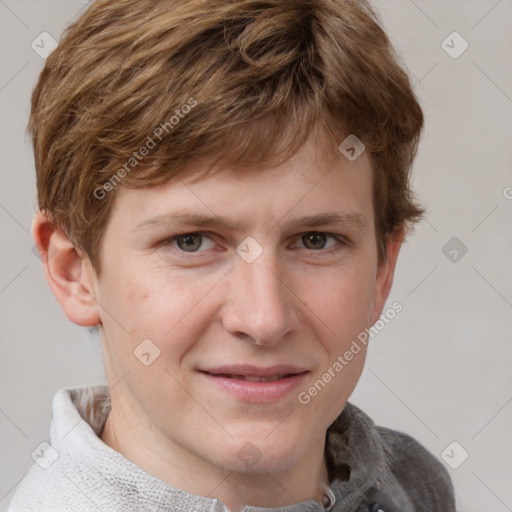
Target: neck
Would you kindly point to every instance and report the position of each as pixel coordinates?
(154, 452)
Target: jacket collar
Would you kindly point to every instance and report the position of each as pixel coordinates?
(356, 457)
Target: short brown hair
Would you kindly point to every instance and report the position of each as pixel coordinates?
(260, 76)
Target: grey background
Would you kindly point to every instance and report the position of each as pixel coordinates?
(440, 370)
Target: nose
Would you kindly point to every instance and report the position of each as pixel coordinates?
(260, 305)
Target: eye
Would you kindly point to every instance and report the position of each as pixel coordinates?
(191, 242)
(317, 240)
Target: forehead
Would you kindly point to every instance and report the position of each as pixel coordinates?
(305, 185)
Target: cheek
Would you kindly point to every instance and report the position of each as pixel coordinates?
(344, 304)
(341, 300)
(155, 296)
(171, 308)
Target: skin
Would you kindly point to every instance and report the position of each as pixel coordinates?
(293, 305)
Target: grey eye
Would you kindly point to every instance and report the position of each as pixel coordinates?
(189, 242)
(314, 240)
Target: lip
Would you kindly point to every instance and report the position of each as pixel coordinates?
(231, 379)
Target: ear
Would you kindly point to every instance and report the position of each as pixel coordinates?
(385, 273)
(69, 275)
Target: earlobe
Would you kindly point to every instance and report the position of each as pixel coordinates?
(385, 274)
(68, 274)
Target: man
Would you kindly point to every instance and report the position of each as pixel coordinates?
(223, 192)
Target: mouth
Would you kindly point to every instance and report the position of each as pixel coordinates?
(252, 384)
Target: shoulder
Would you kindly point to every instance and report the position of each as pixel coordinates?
(379, 465)
(47, 490)
(422, 476)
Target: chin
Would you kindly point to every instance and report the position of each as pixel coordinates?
(256, 455)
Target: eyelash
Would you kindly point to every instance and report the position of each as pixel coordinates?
(341, 241)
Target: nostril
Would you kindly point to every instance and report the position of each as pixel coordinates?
(245, 337)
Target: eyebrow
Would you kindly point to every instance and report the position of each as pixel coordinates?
(175, 219)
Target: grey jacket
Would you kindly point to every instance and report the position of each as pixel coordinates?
(377, 469)
(371, 469)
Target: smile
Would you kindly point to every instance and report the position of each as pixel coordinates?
(256, 385)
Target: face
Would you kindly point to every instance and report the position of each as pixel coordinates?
(225, 299)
